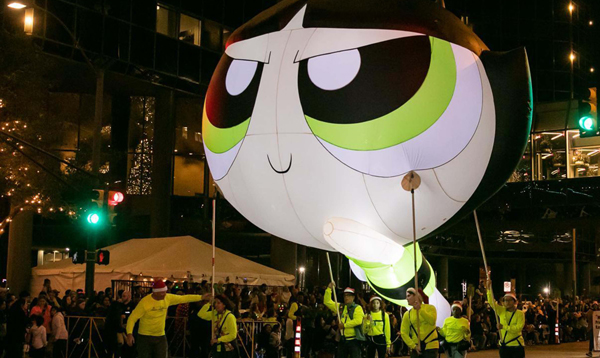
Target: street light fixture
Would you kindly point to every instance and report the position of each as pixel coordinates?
(16, 5)
(301, 269)
(546, 290)
(28, 28)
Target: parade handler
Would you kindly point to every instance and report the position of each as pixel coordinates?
(151, 311)
(511, 322)
(377, 327)
(224, 343)
(425, 343)
(350, 323)
(457, 333)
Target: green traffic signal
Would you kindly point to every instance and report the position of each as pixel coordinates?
(586, 123)
(588, 113)
(93, 218)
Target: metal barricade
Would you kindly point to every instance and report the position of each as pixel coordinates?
(89, 339)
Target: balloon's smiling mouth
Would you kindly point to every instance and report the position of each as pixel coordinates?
(280, 171)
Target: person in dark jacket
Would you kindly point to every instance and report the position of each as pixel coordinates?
(16, 325)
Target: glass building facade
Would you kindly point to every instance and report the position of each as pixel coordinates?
(173, 44)
(551, 31)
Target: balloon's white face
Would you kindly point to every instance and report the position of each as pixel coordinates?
(302, 125)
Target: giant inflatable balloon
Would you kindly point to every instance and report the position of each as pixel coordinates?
(319, 108)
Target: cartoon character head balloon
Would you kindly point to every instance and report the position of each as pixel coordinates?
(318, 109)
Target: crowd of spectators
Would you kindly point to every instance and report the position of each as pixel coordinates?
(39, 322)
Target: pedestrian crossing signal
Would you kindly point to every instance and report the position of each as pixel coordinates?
(78, 257)
(103, 257)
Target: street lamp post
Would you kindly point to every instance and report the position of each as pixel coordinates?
(301, 278)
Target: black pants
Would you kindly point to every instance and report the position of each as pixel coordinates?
(349, 348)
(430, 353)
(14, 348)
(512, 352)
(289, 348)
(218, 351)
(37, 353)
(376, 344)
(307, 339)
(151, 346)
(59, 349)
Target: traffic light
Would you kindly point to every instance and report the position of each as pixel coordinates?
(94, 217)
(97, 197)
(78, 257)
(95, 213)
(115, 198)
(588, 113)
(103, 257)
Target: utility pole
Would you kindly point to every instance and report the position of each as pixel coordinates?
(98, 114)
(90, 263)
(574, 265)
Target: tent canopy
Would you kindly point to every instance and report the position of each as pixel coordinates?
(179, 257)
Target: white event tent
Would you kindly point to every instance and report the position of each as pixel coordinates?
(178, 257)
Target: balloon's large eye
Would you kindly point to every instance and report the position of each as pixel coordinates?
(380, 95)
(229, 103)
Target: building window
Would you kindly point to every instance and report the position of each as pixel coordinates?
(184, 132)
(198, 137)
(211, 35)
(166, 21)
(189, 30)
(522, 172)
(141, 143)
(584, 155)
(550, 155)
(188, 176)
(226, 34)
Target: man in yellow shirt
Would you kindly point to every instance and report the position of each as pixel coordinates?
(510, 326)
(151, 311)
(425, 344)
(350, 323)
(456, 330)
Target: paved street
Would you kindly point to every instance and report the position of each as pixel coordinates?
(566, 350)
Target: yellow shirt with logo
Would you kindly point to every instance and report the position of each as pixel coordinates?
(509, 332)
(456, 329)
(225, 323)
(375, 325)
(427, 317)
(152, 313)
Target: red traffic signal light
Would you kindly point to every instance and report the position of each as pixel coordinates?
(103, 257)
(115, 198)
